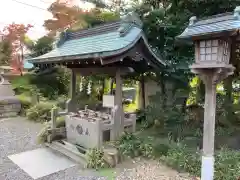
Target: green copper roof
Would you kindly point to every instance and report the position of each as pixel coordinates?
(103, 41)
(94, 45)
(214, 25)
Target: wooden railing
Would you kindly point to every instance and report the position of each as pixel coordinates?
(54, 131)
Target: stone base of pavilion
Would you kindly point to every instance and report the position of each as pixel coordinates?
(78, 153)
(85, 130)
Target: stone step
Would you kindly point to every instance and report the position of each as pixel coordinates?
(111, 155)
(75, 147)
(68, 150)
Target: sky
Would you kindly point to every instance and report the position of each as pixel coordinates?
(13, 11)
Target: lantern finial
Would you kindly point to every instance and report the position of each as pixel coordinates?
(237, 12)
(192, 20)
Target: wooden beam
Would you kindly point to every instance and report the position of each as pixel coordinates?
(102, 70)
(120, 57)
(71, 103)
(73, 85)
(119, 116)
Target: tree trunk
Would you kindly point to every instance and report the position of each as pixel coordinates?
(111, 86)
(102, 90)
(200, 92)
(143, 91)
(228, 99)
(163, 92)
(21, 63)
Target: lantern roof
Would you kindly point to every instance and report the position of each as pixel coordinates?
(214, 26)
(100, 42)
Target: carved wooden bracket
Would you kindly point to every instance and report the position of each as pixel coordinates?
(213, 76)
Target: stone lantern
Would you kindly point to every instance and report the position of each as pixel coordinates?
(214, 40)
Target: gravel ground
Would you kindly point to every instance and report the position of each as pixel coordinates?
(151, 170)
(19, 135)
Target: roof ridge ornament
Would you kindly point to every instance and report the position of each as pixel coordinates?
(57, 39)
(130, 20)
(237, 12)
(60, 38)
(133, 18)
(192, 20)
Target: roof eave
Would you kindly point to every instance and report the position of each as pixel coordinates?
(85, 56)
(200, 36)
(157, 57)
(98, 54)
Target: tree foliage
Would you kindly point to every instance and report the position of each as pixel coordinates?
(68, 16)
(14, 36)
(166, 19)
(5, 52)
(97, 16)
(16, 32)
(64, 17)
(41, 46)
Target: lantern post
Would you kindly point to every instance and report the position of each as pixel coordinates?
(211, 74)
(212, 39)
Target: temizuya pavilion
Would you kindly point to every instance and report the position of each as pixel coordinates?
(115, 49)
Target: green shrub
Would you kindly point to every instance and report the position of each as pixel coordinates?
(60, 122)
(61, 102)
(41, 112)
(57, 83)
(227, 162)
(132, 146)
(146, 150)
(95, 159)
(43, 134)
(25, 103)
(161, 149)
(162, 116)
(129, 145)
(22, 85)
(180, 158)
(141, 115)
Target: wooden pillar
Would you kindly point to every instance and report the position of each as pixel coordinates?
(119, 116)
(71, 103)
(54, 114)
(207, 172)
(210, 78)
(99, 134)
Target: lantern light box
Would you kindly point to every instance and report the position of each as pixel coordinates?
(215, 52)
